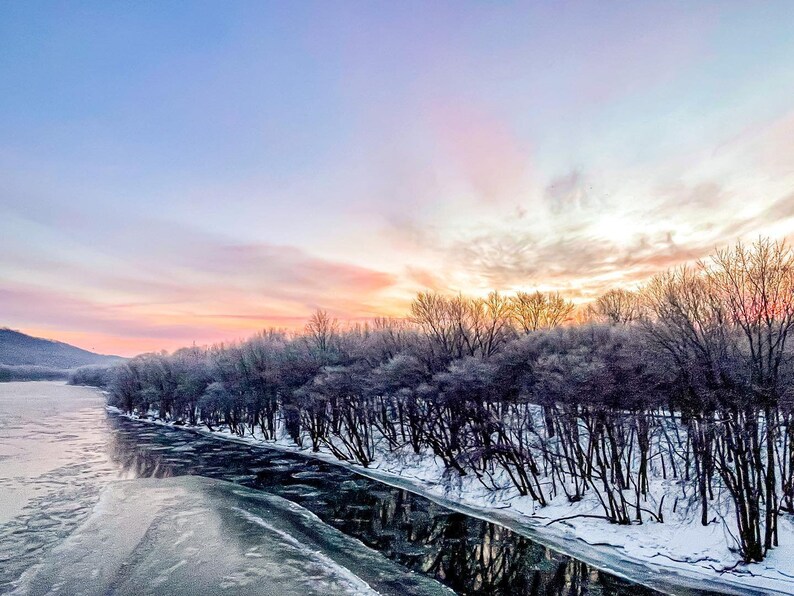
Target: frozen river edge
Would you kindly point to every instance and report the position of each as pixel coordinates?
(674, 577)
(189, 535)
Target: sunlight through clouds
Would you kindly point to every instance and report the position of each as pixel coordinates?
(345, 158)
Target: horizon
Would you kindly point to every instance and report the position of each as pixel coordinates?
(179, 174)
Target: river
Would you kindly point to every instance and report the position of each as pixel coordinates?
(94, 503)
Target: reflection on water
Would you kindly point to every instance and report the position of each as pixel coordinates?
(189, 535)
(469, 555)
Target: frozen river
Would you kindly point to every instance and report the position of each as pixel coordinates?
(94, 503)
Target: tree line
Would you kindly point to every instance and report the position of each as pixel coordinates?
(675, 396)
(30, 372)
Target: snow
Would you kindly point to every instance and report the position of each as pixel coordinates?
(676, 554)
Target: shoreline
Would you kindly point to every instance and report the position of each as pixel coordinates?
(678, 576)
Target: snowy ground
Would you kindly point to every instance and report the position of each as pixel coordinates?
(674, 556)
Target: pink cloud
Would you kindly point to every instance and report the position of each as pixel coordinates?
(185, 287)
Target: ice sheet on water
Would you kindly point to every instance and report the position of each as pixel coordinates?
(191, 535)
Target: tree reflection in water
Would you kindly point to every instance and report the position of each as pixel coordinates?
(469, 555)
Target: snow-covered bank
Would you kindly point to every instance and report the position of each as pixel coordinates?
(673, 556)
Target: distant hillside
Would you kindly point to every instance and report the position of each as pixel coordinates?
(18, 349)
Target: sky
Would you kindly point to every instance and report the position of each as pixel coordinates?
(192, 172)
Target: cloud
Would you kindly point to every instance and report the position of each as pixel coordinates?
(577, 265)
(569, 193)
(425, 279)
(281, 271)
(169, 284)
(776, 212)
(783, 208)
(706, 195)
(586, 259)
(768, 146)
(50, 308)
(535, 158)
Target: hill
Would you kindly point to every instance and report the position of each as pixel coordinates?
(19, 349)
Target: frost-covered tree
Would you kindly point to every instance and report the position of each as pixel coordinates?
(688, 379)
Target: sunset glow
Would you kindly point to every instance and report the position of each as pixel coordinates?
(177, 173)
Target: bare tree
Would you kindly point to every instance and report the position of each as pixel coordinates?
(539, 310)
(321, 329)
(618, 307)
(757, 286)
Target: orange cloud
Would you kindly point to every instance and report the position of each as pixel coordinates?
(200, 290)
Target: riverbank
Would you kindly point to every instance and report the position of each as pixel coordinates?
(677, 556)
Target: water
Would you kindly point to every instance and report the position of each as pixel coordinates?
(469, 555)
(254, 514)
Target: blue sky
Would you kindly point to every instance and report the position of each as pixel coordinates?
(178, 172)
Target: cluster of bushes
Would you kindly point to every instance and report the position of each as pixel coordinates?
(95, 375)
(687, 380)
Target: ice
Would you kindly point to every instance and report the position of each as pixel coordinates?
(53, 464)
(191, 535)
